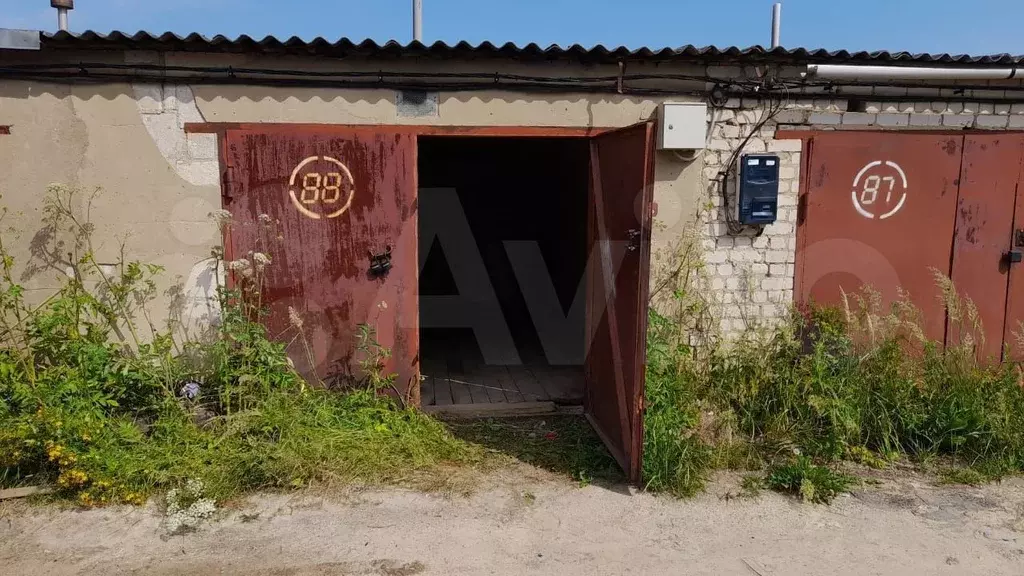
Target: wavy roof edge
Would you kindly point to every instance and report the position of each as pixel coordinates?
(346, 47)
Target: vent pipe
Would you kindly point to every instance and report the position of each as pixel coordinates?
(62, 7)
(417, 20)
(881, 73)
(776, 24)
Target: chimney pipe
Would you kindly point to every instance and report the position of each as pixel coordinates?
(62, 7)
(776, 24)
(417, 20)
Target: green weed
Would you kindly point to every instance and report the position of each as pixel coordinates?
(812, 483)
(856, 382)
(752, 485)
(89, 405)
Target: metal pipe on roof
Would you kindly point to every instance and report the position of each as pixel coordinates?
(847, 72)
(62, 7)
(776, 24)
(417, 20)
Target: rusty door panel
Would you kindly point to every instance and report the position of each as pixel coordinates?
(336, 197)
(1013, 327)
(982, 237)
(879, 211)
(622, 177)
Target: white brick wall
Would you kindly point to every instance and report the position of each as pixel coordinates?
(751, 275)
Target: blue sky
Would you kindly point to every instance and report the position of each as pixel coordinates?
(981, 27)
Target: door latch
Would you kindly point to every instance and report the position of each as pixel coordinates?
(380, 264)
(634, 239)
(1015, 256)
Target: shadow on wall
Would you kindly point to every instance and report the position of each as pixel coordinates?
(235, 93)
(62, 249)
(256, 104)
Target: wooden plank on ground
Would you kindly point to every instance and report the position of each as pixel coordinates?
(488, 379)
(436, 377)
(528, 384)
(442, 391)
(23, 492)
(426, 390)
(460, 391)
(499, 410)
(562, 384)
(457, 380)
(470, 375)
(508, 385)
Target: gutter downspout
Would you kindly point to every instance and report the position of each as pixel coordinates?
(845, 72)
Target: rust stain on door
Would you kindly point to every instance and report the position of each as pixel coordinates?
(342, 207)
(982, 239)
(879, 212)
(1013, 326)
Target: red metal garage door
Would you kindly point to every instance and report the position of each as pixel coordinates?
(338, 196)
(982, 239)
(622, 179)
(888, 210)
(878, 210)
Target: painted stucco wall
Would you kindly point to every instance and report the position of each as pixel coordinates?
(95, 137)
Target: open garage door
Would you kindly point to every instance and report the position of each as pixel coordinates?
(621, 189)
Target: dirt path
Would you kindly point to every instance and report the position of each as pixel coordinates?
(544, 526)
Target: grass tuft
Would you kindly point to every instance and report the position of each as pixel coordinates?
(812, 483)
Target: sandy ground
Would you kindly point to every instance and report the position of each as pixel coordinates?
(515, 524)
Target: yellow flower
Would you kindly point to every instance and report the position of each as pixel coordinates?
(71, 478)
(54, 451)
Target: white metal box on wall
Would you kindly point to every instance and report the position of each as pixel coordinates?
(683, 126)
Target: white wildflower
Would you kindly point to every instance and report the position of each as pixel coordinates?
(186, 508)
(260, 260)
(242, 266)
(294, 319)
(221, 217)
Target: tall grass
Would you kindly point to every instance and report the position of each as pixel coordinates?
(853, 382)
(91, 407)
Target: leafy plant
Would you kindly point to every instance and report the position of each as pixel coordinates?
(812, 483)
(107, 411)
(858, 382)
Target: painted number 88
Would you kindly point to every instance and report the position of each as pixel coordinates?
(318, 187)
(871, 186)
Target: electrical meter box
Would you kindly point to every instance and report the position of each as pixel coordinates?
(758, 189)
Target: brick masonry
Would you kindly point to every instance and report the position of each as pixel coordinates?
(751, 274)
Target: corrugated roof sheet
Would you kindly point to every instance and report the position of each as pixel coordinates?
(368, 48)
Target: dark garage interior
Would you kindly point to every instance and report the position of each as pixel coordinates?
(522, 203)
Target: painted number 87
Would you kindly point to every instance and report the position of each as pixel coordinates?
(318, 187)
(872, 184)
